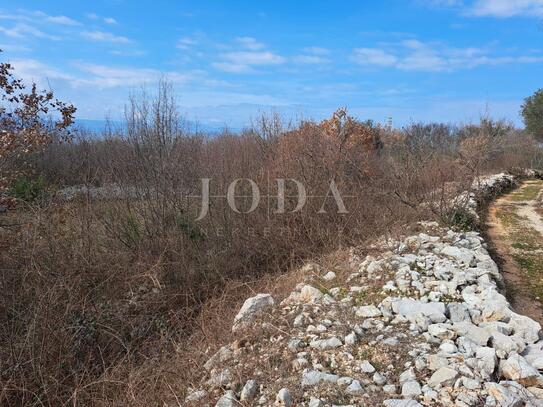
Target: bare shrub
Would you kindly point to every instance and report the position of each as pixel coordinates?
(106, 297)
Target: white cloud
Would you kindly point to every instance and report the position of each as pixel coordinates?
(310, 59)
(414, 44)
(61, 20)
(14, 47)
(422, 61)
(108, 76)
(445, 3)
(79, 75)
(494, 8)
(186, 42)
(231, 67)
(414, 55)
(77, 82)
(105, 37)
(506, 8)
(22, 30)
(39, 17)
(14, 17)
(250, 43)
(421, 57)
(245, 61)
(36, 24)
(190, 41)
(107, 20)
(312, 56)
(31, 70)
(127, 53)
(484, 60)
(316, 50)
(373, 56)
(12, 32)
(254, 58)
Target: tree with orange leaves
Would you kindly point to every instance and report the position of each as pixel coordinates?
(24, 124)
(323, 149)
(350, 133)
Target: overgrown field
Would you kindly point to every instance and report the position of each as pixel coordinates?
(113, 298)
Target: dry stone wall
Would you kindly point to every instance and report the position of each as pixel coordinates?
(421, 322)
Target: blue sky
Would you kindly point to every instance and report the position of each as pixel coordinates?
(412, 60)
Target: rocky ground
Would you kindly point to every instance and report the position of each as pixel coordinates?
(420, 321)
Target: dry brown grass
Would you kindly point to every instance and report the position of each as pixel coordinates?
(120, 301)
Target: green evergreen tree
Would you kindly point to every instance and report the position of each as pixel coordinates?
(532, 113)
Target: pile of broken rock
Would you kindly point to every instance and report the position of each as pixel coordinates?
(421, 322)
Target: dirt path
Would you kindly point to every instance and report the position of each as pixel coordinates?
(515, 229)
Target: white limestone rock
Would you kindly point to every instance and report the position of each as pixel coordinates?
(368, 311)
(195, 396)
(283, 398)
(379, 379)
(222, 355)
(401, 403)
(315, 402)
(408, 375)
(411, 389)
(310, 294)
(471, 384)
(329, 276)
(510, 394)
(249, 391)
(436, 362)
(504, 344)
(367, 367)
(315, 377)
(351, 339)
(525, 327)
(478, 335)
(409, 307)
(487, 359)
(442, 331)
(462, 255)
(534, 355)
(324, 344)
(355, 388)
(458, 312)
(220, 378)
(444, 376)
(389, 388)
(518, 369)
(251, 308)
(228, 400)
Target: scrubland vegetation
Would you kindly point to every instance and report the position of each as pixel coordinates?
(112, 298)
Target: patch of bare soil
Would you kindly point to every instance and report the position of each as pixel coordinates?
(515, 230)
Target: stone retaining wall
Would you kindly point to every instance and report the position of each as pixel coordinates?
(422, 324)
